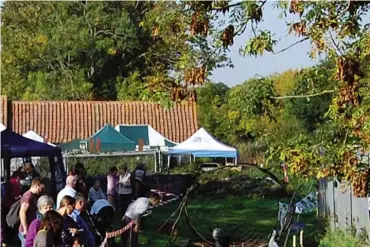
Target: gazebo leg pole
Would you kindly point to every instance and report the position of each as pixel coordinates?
(6, 161)
(155, 162)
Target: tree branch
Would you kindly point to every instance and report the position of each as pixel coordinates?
(228, 6)
(290, 46)
(335, 43)
(236, 4)
(304, 96)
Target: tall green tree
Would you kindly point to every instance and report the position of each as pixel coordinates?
(211, 109)
(97, 50)
(68, 50)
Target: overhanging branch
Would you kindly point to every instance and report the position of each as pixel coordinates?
(304, 96)
(290, 46)
(228, 6)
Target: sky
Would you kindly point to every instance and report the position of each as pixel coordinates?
(247, 67)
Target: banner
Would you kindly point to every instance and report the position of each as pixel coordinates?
(306, 205)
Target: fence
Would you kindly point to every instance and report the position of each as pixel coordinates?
(343, 210)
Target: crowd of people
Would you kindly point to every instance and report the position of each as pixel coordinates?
(81, 215)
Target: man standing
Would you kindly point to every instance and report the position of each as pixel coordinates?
(134, 213)
(141, 188)
(26, 174)
(80, 207)
(28, 209)
(124, 190)
(81, 186)
(69, 190)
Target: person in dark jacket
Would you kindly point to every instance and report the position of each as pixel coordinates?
(70, 231)
(26, 174)
(81, 186)
(140, 187)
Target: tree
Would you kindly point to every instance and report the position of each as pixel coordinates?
(67, 50)
(96, 50)
(211, 109)
(334, 28)
(312, 110)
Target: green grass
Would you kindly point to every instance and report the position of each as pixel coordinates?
(235, 215)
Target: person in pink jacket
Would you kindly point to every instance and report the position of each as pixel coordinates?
(112, 185)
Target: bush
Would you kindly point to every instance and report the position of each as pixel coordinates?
(192, 168)
(342, 239)
(99, 166)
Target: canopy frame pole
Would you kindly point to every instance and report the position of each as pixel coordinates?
(65, 164)
(155, 162)
(6, 171)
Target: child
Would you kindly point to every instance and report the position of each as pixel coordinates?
(134, 213)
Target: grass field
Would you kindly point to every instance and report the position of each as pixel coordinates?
(236, 215)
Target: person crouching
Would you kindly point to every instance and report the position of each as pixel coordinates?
(134, 213)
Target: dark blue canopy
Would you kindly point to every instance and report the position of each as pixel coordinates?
(14, 145)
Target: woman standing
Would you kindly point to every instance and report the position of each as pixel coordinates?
(124, 190)
(70, 231)
(51, 228)
(112, 183)
(44, 204)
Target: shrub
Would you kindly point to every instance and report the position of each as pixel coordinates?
(99, 166)
(342, 239)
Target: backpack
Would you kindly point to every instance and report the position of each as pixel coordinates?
(12, 218)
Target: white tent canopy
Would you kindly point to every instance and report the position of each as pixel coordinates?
(34, 136)
(202, 144)
(2, 127)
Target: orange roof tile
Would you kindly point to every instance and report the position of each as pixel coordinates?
(63, 121)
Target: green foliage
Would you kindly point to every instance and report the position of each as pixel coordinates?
(99, 166)
(79, 58)
(312, 110)
(210, 108)
(96, 50)
(341, 239)
(259, 44)
(186, 168)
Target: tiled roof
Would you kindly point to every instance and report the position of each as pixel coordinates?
(3, 110)
(63, 121)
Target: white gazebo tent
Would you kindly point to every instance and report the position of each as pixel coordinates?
(202, 144)
(33, 136)
(2, 127)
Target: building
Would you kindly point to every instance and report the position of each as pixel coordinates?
(63, 121)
